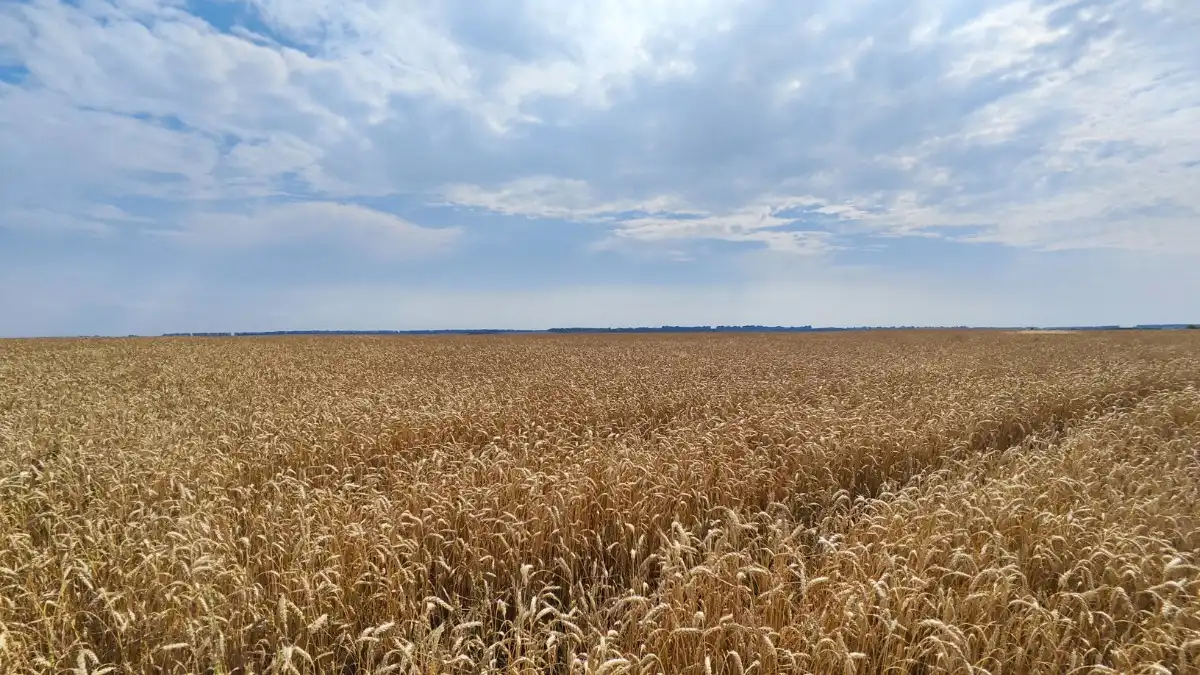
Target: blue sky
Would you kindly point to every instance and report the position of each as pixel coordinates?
(171, 165)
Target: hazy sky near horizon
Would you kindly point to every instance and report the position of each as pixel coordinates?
(188, 165)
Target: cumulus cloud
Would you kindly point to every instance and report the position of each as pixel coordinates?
(805, 129)
(1016, 119)
(373, 232)
(1047, 125)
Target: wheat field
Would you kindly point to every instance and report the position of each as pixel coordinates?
(882, 502)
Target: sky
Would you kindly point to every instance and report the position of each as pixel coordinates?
(228, 165)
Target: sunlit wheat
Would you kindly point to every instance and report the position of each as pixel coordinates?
(910, 502)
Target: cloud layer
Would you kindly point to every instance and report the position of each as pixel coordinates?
(646, 134)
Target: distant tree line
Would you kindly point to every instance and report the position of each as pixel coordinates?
(480, 331)
(750, 328)
(689, 329)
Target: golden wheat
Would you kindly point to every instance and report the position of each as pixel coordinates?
(863, 503)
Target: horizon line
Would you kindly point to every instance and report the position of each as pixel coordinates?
(744, 328)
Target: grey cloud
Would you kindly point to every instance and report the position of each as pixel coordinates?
(722, 134)
(923, 116)
(895, 124)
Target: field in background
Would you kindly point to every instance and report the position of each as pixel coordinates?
(909, 502)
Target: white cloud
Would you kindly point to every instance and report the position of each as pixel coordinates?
(550, 197)
(169, 64)
(1006, 39)
(371, 232)
(274, 155)
(53, 150)
(608, 42)
(762, 225)
(785, 126)
(395, 46)
(1045, 125)
(654, 219)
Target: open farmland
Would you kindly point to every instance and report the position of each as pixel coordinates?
(910, 502)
